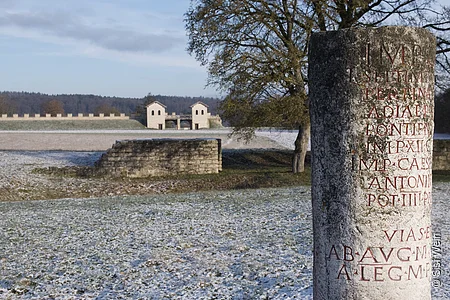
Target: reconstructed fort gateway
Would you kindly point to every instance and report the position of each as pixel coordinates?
(372, 103)
(161, 157)
(200, 118)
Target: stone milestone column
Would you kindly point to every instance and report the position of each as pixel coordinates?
(371, 102)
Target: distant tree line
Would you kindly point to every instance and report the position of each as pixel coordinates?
(37, 103)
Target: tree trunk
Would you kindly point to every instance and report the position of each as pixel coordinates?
(301, 146)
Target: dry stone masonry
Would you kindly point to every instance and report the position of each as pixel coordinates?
(441, 155)
(161, 157)
(371, 94)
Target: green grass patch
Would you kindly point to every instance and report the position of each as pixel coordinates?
(441, 176)
(246, 169)
(242, 169)
(247, 180)
(106, 124)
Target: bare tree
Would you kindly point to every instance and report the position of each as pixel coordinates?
(106, 109)
(52, 107)
(6, 106)
(256, 51)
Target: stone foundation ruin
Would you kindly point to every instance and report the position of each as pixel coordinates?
(161, 157)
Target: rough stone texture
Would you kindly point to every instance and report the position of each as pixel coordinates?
(441, 155)
(161, 157)
(371, 94)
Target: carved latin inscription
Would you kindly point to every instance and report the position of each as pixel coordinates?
(386, 263)
(397, 124)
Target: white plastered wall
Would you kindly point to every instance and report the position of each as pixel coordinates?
(200, 116)
(156, 116)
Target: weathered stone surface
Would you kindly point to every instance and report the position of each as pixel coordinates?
(371, 94)
(161, 157)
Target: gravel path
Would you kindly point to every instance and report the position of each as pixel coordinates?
(101, 140)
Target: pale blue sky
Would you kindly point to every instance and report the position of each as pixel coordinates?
(124, 48)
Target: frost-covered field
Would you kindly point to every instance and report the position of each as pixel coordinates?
(246, 244)
(228, 245)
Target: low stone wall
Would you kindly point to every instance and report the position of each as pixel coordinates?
(161, 157)
(441, 155)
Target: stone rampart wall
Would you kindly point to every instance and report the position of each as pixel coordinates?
(441, 155)
(16, 117)
(161, 157)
